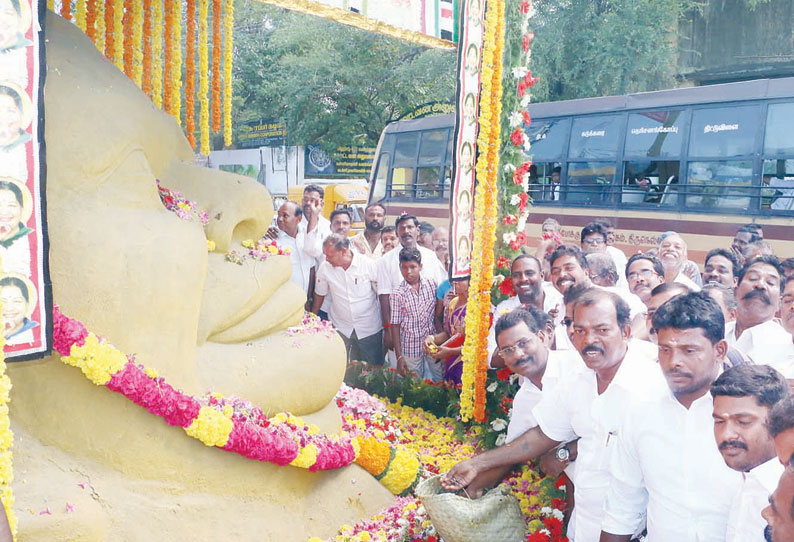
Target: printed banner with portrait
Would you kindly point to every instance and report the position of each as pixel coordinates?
(467, 105)
(25, 290)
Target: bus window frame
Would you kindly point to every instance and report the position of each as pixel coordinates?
(757, 157)
(445, 161)
(387, 180)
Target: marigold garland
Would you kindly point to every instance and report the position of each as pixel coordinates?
(169, 56)
(478, 312)
(90, 19)
(146, 60)
(99, 31)
(118, 33)
(216, 65)
(66, 9)
(51, 5)
(126, 23)
(176, 69)
(203, 93)
(228, 34)
(137, 45)
(6, 442)
(110, 41)
(157, 53)
(79, 16)
(190, 73)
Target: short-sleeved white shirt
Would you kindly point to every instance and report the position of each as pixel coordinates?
(767, 343)
(576, 410)
(389, 276)
(351, 293)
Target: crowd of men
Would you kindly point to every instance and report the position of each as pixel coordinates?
(384, 289)
(660, 391)
(671, 420)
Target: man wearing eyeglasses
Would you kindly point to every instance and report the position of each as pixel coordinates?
(588, 404)
(644, 273)
(594, 241)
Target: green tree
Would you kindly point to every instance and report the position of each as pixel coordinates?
(334, 85)
(588, 48)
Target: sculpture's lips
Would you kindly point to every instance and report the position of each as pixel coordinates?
(245, 302)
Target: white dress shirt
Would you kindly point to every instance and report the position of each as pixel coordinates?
(768, 344)
(575, 409)
(745, 523)
(552, 299)
(359, 242)
(666, 461)
(686, 281)
(313, 240)
(354, 305)
(302, 263)
(529, 395)
(620, 265)
(389, 275)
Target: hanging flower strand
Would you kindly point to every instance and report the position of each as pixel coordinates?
(169, 55)
(204, 113)
(176, 70)
(228, 34)
(118, 33)
(90, 20)
(109, 39)
(475, 346)
(190, 73)
(79, 17)
(126, 22)
(157, 53)
(216, 65)
(146, 70)
(138, 46)
(99, 36)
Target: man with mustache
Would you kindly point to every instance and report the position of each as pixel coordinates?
(666, 464)
(588, 404)
(368, 242)
(780, 512)
(569, 267)
(527, 279)
(644, 272)
(722, 267)
(743, 397)
(755, 331)
(787, 306)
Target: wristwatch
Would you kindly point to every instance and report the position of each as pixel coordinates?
(563, 453)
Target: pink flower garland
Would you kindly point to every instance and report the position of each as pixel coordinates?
(252, 435)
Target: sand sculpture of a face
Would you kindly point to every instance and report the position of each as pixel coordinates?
(141, 277)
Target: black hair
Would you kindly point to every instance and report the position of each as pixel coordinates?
(341, 211)
(605, 222)
(13, 94)
(574, 293)
(515, 317)
(337, 241)
(525, 257)
(781, 417)
(788, 263)
(760, 381)
(401, 218)
(388, 229)
(767, 259)
(689, 311)
(541, 317)
(371, 205)
(658, 268)
(557, 169)
(667, 286)
(19, 283)
(410, 255)
(426, 227)
(752, 229)
(727, 293)
(594, 295)
(315, 188)
(14, 189)
(727, 254)
(569, 250)
(594, 227)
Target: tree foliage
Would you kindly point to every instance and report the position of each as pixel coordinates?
(588, 48)
(334, 85)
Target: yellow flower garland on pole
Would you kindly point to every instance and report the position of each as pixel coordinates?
(228, 34)
(472, 399)
(203, 93)
(137, 43)
(157, 53)
(79, 16)
(99, 35)
(118, 33)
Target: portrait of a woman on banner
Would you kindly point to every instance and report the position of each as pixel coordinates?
(19, 298)
(15, 116)
(15, 211)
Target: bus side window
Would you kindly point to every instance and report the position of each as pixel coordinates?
(402, 180)
(378, 188)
